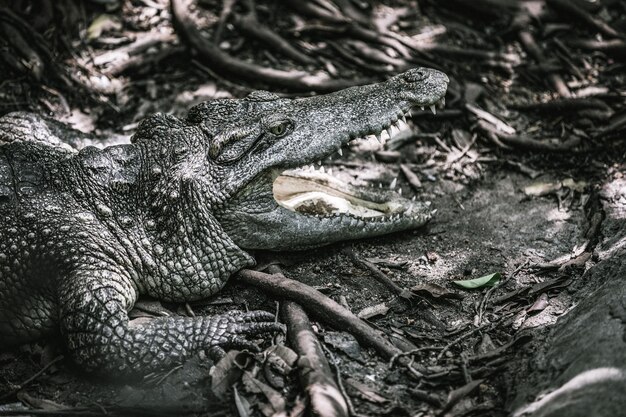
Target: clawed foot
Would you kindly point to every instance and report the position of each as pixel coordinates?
(234, 329)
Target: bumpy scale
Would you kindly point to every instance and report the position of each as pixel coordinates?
(84, 232)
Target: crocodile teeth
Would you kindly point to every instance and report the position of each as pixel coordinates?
(340, 152)
(389, 131)
(319, 162)
(393, 183)
(422, 107)
(403, 118)
(379, 137)
(442, 102)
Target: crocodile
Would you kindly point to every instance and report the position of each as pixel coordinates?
(175, 212)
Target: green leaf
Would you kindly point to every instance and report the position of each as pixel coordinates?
(484, 281)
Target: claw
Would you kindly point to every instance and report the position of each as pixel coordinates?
(257, 315)
(253, 329)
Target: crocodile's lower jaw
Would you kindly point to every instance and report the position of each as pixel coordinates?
(317, 193)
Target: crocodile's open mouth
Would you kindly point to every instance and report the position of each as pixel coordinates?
(313, 190)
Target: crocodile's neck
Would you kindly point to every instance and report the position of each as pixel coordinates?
(174, 248)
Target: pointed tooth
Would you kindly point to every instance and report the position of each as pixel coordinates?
(422, 107)
(380, 185)
(403, 118)
(400, 191)
(393, 183)
(413, 198)
(379, 137)
(340, 152)
(389, 131)
(322, 170)
(433, 109)
(319, 163)
(443, 101)
(330, 171)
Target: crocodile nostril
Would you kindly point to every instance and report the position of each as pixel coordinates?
(416, 75)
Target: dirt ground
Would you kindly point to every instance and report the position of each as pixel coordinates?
(548, 219)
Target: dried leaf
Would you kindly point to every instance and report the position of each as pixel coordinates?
(344, 342)
(484, 281)
(540, 304)
(253, 385)
(377, 310)
(228, 371)
(460, 393)
(366, 392)
(243, 406)
(101, 24)
(278, 363)
(542, 188)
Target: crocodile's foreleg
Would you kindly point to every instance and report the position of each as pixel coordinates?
(94, 320)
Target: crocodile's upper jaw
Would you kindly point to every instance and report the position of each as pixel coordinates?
(291, 207)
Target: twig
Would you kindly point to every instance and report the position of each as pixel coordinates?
(582, 15)
(380, 275)
(342, 388)
(527, 142)
(395, 357)
(227, 9)
(32, 378)
(461, 338)
(411, 177)
(528, 41)
(614, 47)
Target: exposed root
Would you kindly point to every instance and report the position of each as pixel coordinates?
(224, 63)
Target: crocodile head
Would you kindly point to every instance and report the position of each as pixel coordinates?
(258, 145)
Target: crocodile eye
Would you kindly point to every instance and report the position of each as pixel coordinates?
(280, 129)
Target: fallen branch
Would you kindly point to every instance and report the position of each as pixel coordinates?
(618, 123)
(224, 63)
(572, 8)
(526, 142)
(613, 47)
(322, 307)
(315, 374)
(250, 25)
(564, 105)
(528, 41)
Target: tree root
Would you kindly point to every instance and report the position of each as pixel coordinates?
(250, 26)
(528, 41)
(322, 307)
(314, 370)
(224, 63)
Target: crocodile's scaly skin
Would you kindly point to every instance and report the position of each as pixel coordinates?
(84, 233)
